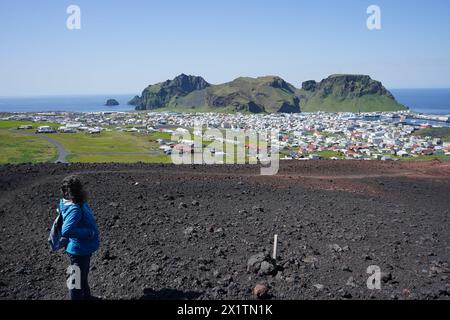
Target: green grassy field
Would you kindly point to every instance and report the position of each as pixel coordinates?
(16, 148)
(14, 124)
(160, 135)
(106, 142)
(368, 103)
(329, 154)
(109, 146)
(443, 133)
(424, 158)
(112, 146)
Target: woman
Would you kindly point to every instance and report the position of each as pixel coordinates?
(80, 229)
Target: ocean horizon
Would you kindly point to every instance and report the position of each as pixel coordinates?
(430, 101)
(68, 103)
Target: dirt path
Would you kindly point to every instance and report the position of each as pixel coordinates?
(62, 152)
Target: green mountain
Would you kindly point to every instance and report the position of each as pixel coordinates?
(268, 94)
(347, 93)
(163, 94)
(255, 95)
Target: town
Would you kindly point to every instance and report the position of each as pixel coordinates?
(304, 136)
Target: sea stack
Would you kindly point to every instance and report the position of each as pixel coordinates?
(112, 103)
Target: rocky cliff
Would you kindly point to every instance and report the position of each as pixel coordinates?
(160, 95)
(345, 92)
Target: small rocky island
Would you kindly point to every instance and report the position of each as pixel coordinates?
(112, 103)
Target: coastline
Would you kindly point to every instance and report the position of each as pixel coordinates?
(420, 101)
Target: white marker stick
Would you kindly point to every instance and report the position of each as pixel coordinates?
(275, 242)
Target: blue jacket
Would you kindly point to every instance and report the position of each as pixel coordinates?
(80, 227)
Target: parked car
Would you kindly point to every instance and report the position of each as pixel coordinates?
(45, 129)
(95, 130)
(25, 127)
(67, 130)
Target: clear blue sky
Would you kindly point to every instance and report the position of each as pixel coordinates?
(125, 45)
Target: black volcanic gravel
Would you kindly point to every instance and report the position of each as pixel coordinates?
(188, 232)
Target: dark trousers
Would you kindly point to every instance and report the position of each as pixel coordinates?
(83, 263)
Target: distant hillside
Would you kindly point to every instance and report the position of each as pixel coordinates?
(268, 94)
(265, 94)
(347, 93)
(163, 94)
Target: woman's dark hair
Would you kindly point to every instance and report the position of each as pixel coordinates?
(72, 189)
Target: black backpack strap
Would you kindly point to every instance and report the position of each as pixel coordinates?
(60, 216)
(82, 212)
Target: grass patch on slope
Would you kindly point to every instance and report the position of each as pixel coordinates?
(443, 133)
(7, 124)
(111, 142)
(368, 103)
(16, 148)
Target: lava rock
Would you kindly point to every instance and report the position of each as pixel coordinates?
(261, 291)
(386, 277)
(107, 256)
(257, 209)
(182, 205)
(346, 295)
(114, 204)
(335, 247)
(351, 282)
(254, 263)
(319, 286)
(261, 264)
(155, 268)
(266, 268)
(189, 231)
(346, 268)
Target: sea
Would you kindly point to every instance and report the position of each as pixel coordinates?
(430, 101)
(75, 103)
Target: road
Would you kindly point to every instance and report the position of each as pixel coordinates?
(62, 152)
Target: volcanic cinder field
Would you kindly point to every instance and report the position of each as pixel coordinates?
(189, 232)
